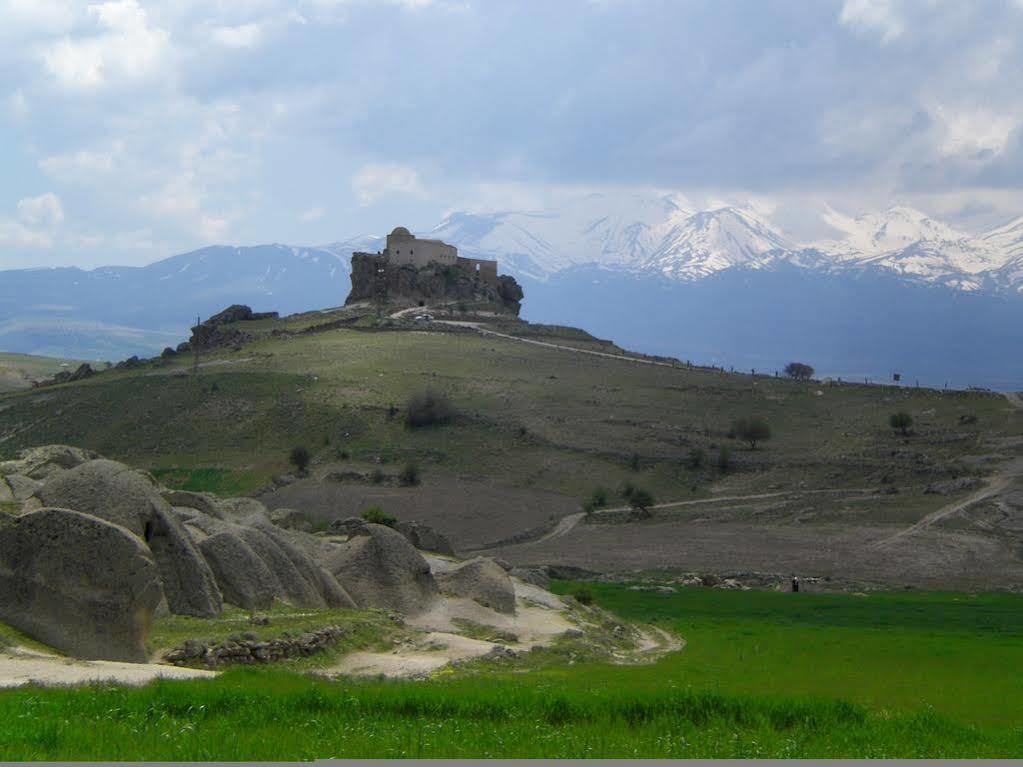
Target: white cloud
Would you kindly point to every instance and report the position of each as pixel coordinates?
(83, 166)
(377, 180)
(972, 130)
(124, 45)
(242, 36)
(876, 17)
(44, 211)
(35, 224)
(313, 214)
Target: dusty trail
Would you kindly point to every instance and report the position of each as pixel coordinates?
(569, 523)
(994, 486)
(488, 332)
(1014, 399)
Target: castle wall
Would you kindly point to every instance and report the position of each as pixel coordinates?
(403, 249)
(485, 270)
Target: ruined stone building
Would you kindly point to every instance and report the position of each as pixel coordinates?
(404, 248)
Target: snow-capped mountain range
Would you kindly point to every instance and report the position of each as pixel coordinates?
(663, 235)
(891, 290)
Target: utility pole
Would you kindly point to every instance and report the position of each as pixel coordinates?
(195, 350)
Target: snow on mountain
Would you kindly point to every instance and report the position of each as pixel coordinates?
(1008, 239)
(713, 240)
(606, 229)
(912, 244)
(663, 234)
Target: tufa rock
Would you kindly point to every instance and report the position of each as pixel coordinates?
(482, 580)
(85, 586)
(243, 577)
(425, 538)
(380, 568)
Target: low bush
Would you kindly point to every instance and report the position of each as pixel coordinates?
(428, 408)
(300, 459)
(409, 475)
(378, 516)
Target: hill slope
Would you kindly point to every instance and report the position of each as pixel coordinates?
(544, 416)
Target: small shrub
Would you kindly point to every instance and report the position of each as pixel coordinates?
(343, 455)
(376, 477)
(753, 429)
(300, 458)
(392, 410)
(583, 595)
(696, 458)
(326, 440)
(409, 475)
(523, 431)
(377, 516)
(634, 462)
(724, 459)
(627, 490)
(428, 409)
(598, 497)
(901, 421)
(640, 499)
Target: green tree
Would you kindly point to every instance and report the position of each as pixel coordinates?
(901, 421)
(800, 371)
(640, 499)
(752, 429)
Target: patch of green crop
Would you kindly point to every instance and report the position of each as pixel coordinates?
(210, 479)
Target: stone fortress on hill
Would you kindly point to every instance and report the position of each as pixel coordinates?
(412, 270)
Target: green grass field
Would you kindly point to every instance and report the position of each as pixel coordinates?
(763, 674)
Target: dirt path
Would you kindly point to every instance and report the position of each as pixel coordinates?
(488, 332)
(20, 667)
(995, 485)
(569, 523)
(1014, 399)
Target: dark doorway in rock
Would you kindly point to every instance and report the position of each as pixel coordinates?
(422, 303)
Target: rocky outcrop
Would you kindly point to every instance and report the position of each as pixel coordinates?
(216, 331)
(85, 586)
(482, 580)
(124, 496)
(80, 373)
(243, 578)
(374, 279)
(41, 462)
(425, 538)
(380, 568)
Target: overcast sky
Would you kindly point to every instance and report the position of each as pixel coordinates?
(131, 130)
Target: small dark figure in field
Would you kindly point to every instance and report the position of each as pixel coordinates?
(795, 584)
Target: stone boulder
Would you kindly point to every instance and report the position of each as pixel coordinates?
(130, 498)
(380, 568)
(291, 519)
(295, 588)
(23, 488)
(243, 578)
(952, 486)
(291, 543)
(207, 503)
(425, 538)
(188, 581)
(482, 580)
(41, 462)
(82, 585)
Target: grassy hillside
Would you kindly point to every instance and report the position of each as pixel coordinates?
(18, 371)
(529, 415)
(762, 675)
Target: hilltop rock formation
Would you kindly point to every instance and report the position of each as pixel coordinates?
(215, 331)
(375, 279)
